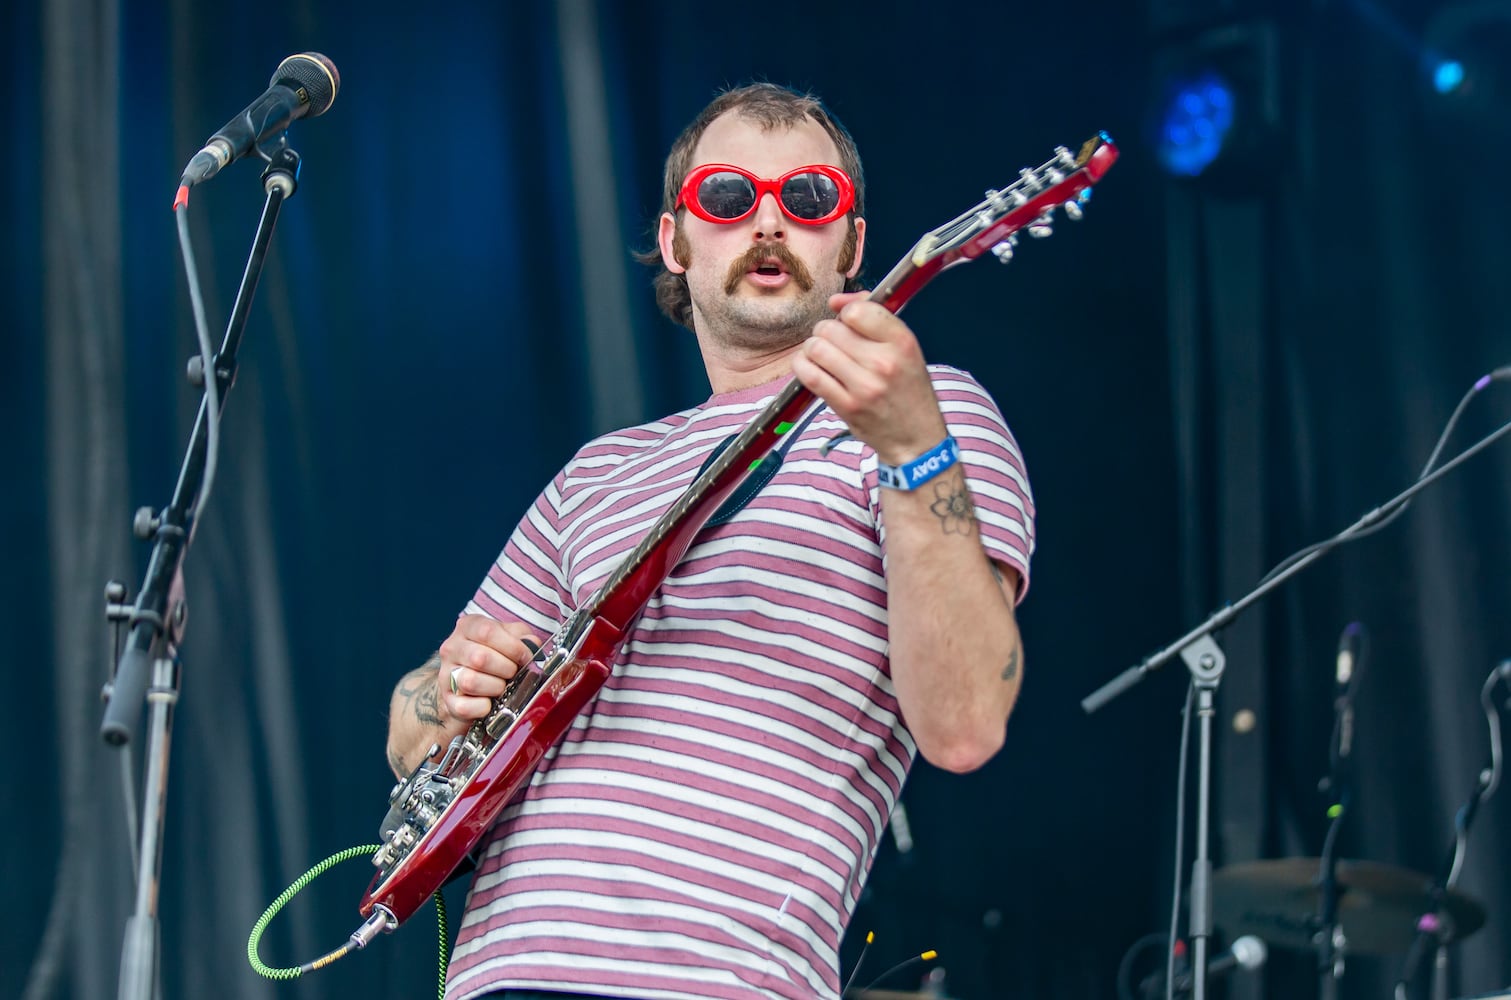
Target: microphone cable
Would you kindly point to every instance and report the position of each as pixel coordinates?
(1360, 530)
(207, 360)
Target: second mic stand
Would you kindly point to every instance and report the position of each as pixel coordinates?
(1435, 926)
(1330, 942)
(148, 668)
(1205, 660)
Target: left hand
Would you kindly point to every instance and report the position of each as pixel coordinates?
(867, 365)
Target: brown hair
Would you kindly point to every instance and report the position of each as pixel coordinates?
(770, 106)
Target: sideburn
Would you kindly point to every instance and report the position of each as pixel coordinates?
(847, 249)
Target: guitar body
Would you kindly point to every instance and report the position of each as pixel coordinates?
(442, 811)
(504, 770)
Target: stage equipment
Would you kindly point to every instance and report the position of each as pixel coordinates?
(1246, 953)
(440, 812)
(303, 86)
(1466, 53)
(1438, 923)
(1330, 940)
(1216, 112)
(1205, 661)
(1377, 906)
(155, 624)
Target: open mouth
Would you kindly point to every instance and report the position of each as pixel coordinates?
(767, 267)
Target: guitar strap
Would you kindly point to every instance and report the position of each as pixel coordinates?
(760, 475)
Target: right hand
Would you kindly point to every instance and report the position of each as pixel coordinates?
(477, 659)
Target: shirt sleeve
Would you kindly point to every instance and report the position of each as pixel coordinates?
(526, 582)
(994, 470)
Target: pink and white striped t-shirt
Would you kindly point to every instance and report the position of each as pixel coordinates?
(704, 828)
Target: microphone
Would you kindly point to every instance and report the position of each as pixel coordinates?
(1247, 953)
(302, 86)
(1350, 664)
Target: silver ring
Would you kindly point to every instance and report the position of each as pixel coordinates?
(455, 687)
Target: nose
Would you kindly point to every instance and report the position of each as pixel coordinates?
(770, 223)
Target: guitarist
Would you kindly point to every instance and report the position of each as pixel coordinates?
(704, 828)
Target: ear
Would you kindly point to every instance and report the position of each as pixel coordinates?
(666, 234)
(860, 247)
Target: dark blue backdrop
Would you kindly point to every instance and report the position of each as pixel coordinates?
(416, 367)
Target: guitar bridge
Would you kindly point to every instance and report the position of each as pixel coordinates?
(416, 803)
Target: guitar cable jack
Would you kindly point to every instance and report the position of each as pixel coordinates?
(378, 922)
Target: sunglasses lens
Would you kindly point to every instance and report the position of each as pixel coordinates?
(810, 196)
(726, 195)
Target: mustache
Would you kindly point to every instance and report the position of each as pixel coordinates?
(752, 258)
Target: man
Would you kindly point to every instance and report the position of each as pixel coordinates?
(704, 828)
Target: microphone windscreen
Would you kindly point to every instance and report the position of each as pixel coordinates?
(312, 73)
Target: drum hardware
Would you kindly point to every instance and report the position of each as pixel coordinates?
(1378, 905)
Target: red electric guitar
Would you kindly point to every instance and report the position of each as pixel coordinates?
(442, 810)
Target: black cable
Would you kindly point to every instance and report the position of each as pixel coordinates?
(1125, 967)
(207, 361)
(1499, 374)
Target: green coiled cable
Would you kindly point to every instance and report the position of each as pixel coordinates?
(295, 972)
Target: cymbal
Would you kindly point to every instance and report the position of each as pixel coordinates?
(1378, 905)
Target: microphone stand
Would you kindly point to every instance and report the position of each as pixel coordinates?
(1205, 661)
(1329, 939)
(1436, 922)
(156, 622)
(1435, 926)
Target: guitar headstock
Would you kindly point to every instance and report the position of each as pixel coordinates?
(1029, 202)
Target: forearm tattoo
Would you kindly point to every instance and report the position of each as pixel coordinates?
(953, 505)
(1010, 672)
(421, 694)
(396, 763)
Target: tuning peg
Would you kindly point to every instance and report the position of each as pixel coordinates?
(1073, 211)
(1004, 250)
(1044, 225)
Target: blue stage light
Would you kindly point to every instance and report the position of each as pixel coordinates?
(1197, 119)
(1448, 76)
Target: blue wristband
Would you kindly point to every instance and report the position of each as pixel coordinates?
(914, 474)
